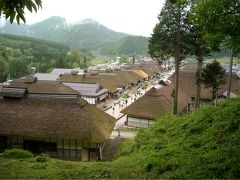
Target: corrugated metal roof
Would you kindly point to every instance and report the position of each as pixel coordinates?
(87, 89)
(63, 70)
(46, 76)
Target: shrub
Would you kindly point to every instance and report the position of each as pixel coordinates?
(17, 153)
(41, 158)
(126, 95)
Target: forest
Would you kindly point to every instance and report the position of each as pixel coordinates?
(21, 56)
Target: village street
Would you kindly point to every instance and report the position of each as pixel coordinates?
(114, 106)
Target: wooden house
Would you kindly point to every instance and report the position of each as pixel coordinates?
(155, 103)
(92, 93)
(52, 119)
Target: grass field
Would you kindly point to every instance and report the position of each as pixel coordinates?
(99, 60)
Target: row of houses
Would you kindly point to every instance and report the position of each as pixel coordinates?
(96, 85)
(56, 114)
(158, 102)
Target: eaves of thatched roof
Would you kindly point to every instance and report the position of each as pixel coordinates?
(43, 87)
(57, 118)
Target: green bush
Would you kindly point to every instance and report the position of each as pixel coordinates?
(17, 154)
(126, 95)
(41, 158)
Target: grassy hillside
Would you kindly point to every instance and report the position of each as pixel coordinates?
(204, 144)
(129, 45)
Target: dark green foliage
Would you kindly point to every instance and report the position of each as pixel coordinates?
(130, 45)
(17, 154)
(14, 9)
(41, 158)
(3, 69)
(220, 20)
(79, 58)
(162, 44)
(213, 75)
(20, 54)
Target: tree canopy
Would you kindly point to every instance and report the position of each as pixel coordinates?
(213, 76)
(14, 9)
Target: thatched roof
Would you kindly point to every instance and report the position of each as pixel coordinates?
(29, 79)
(56, 118)
(127, 76)
(50, 87)
(155, 103)
(236, 84)
(140, 73)
(135, 76)
(191, 65)
(107, 80)
(14, 92)
(68, 77)
(187, 83)
(150, 68)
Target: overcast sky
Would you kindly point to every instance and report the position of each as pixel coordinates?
(136, 17)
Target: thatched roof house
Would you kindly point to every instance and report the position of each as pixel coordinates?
(107, 83)
(43, 87)
(155, 103)
(55, 118)
(187, 83)
(52, 118)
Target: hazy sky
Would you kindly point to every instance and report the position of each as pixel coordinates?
(136, 17)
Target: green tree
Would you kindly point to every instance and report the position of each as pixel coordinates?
(220, 20)
(166, 40)
(213, 76)
(196, 46)
(14, 9)
(3, 74)
(18, 68)
(124, 59)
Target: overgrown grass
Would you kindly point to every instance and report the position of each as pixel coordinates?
(204, 144)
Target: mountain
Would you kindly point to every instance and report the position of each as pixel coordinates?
(87, 34)
(129, 45)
